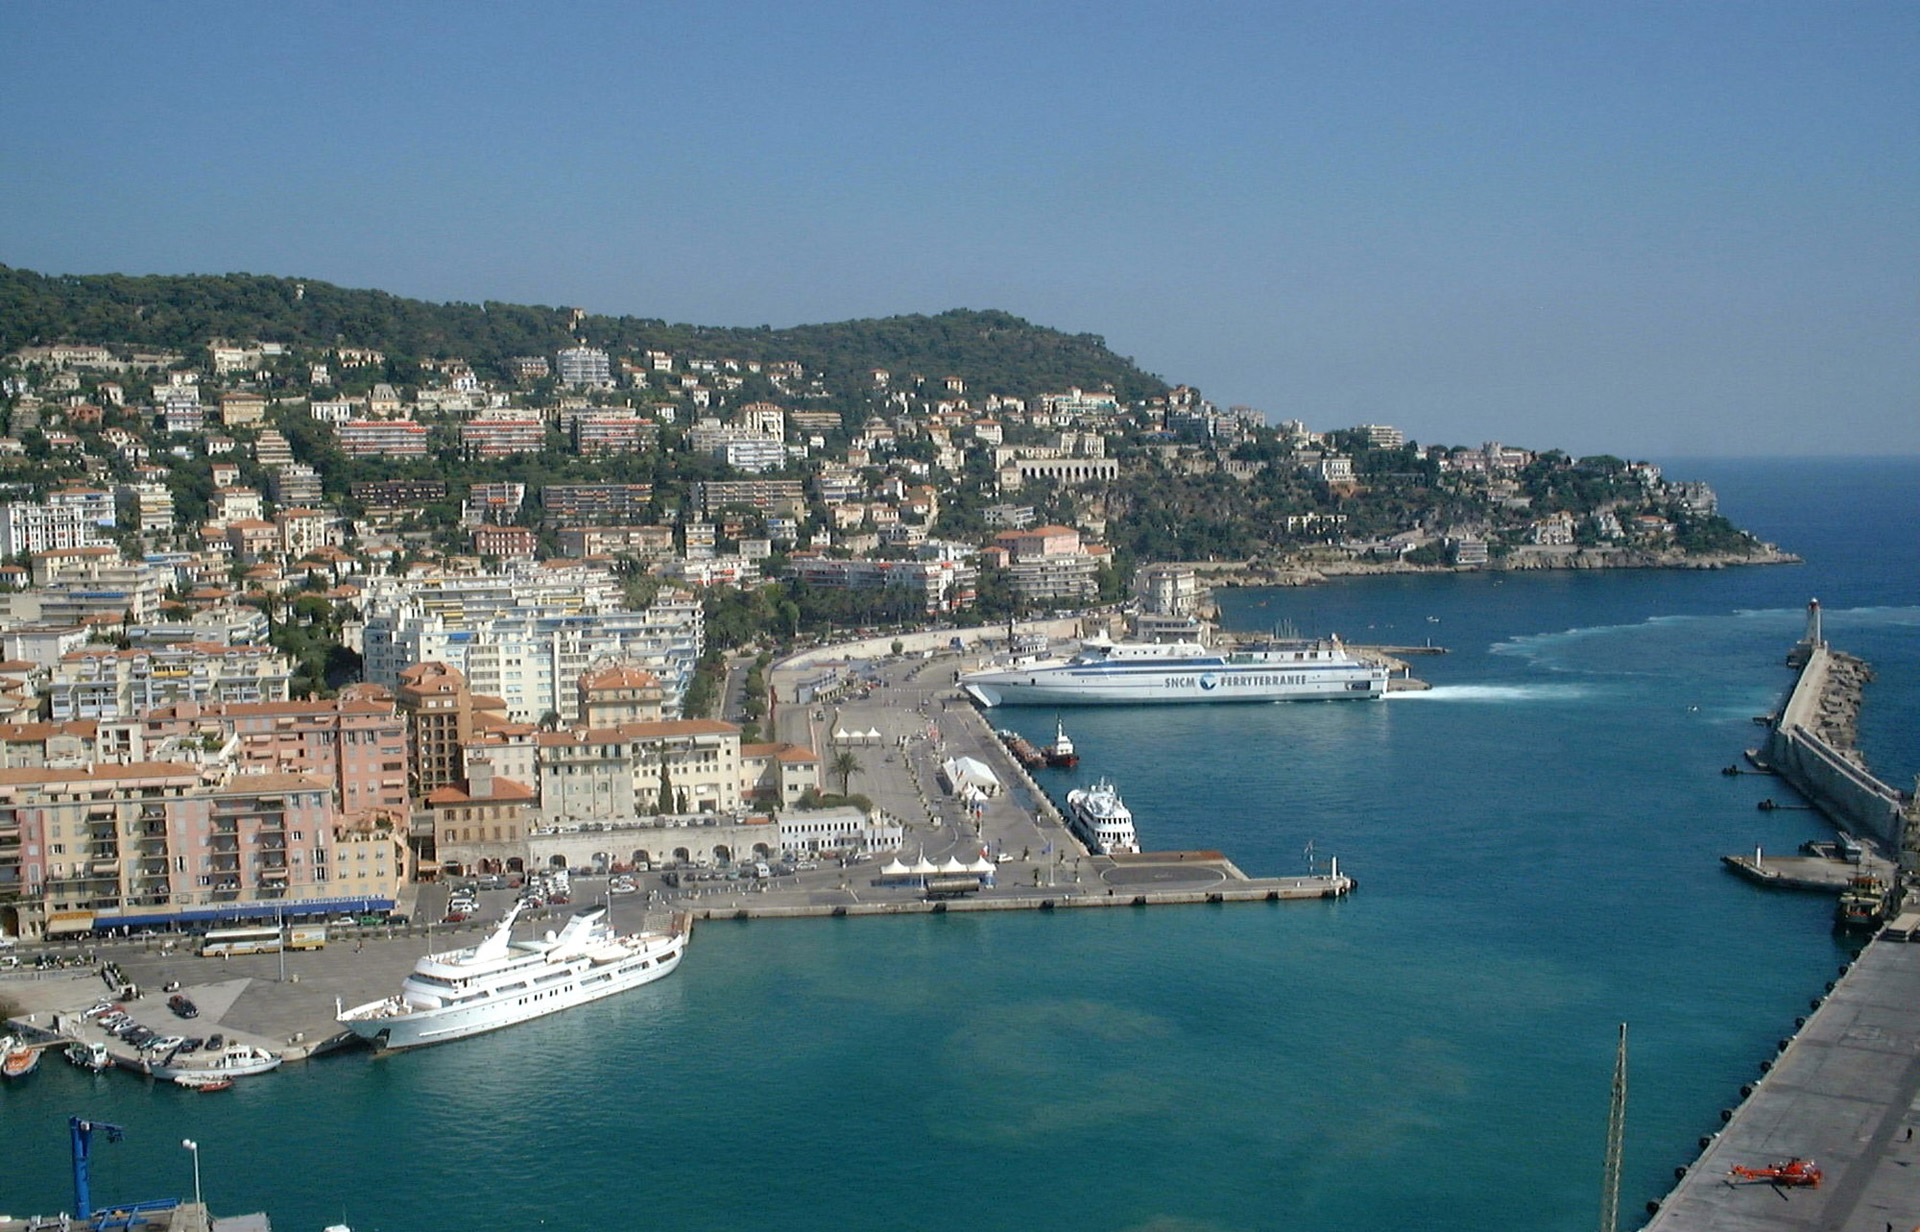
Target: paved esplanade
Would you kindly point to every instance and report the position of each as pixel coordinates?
(1844, 1094)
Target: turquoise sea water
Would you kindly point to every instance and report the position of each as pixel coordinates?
(1536, 841)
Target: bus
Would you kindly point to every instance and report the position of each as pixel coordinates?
(265, 940)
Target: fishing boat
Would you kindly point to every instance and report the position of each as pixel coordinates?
(502, 981)
(89, 1056)
(1862, 905)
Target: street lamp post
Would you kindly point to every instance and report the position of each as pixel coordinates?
(194, 1148)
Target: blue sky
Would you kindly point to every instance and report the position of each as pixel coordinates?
(1650, 229)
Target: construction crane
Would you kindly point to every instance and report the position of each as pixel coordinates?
(1613, 1147)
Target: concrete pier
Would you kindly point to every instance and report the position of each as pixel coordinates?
(1843, 1093)
(184, 1217)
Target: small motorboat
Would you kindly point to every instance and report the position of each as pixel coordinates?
(203, 1082)
(89, 1056)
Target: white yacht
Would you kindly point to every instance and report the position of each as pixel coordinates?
(1102, 821)
(502, 981)
(1158, 672)
(236, 1060)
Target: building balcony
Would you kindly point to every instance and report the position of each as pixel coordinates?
(104, 868)
(224, 844)
(246, 804)
(153, 812)
(227, 861)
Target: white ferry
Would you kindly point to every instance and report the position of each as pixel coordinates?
(502, 981)
(1156, 672)
(1102, 821)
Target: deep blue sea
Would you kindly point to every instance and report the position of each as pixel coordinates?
(1536, 841)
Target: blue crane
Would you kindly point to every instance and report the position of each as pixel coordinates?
(81, 1131)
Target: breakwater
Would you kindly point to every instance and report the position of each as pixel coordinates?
(1812, 745)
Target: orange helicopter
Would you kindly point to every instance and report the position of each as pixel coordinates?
(1790, 1172)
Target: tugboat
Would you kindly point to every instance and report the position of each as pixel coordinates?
(1061, 752)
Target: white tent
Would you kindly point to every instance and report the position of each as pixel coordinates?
(897, 873)
(873, 735)
(840, 734)
(963, 773)
(922, 866)
(981, 866)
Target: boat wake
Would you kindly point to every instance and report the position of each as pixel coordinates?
(1505, 693)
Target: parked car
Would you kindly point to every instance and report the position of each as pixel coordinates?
(182, 1006)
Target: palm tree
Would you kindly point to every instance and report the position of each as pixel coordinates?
(845, 766)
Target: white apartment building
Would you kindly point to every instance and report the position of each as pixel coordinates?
(528, 643)
(34, 528)
(578, 366)
(121, 685)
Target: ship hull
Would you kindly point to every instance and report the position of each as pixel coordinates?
(392, 1031)
(1067, 686)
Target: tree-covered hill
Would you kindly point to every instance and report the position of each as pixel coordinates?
(993, 352)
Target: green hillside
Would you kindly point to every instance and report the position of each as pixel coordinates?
(993, 352)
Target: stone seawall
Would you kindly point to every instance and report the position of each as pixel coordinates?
(1812, 747)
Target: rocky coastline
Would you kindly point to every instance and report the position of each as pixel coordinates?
(1307, 570)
